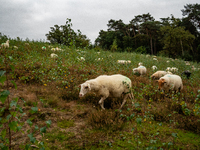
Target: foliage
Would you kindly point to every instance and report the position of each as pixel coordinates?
(64, 34)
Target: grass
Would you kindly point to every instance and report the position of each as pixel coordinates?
(156, 120)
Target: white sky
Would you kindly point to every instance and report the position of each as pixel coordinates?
(33, 18)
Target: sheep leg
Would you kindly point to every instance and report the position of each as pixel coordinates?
(124, 101)
(101, 102)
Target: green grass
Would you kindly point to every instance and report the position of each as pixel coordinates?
(167, 122)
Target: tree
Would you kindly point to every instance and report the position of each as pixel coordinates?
(64, 34)
(176, 40)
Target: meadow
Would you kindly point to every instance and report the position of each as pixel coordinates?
(156, 120)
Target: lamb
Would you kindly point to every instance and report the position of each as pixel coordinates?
(158, 74)
(141, 70)
(5, 45)
(187, 73)
(170, 82)
(108, 86)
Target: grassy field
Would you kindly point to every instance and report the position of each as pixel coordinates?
(156, 120)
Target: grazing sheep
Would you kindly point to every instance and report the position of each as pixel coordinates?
(158, 74)
(187, 73)
(5, 45)
(155, 59)
(174, 69)
(15, 47)
(123, 61)
(170, 82)
(154, 67)
(54, 56)
(141, 70)
(108, 86)
(81, 59)
(43, 48)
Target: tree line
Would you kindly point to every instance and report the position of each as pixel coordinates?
(171, 37)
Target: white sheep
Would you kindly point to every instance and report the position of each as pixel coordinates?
(141, 70)
(81, 59)
(5, 45)
(123, 61)
(154, 67)
(170, 82)
(155, 59)
(54, 56)
(158, 74)
(15, 47)
(43, 48)
(108, 86)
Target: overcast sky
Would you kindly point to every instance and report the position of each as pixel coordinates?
(33, 18)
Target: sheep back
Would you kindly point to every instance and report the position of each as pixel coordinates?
(158, 74)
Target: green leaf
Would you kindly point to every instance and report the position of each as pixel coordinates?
(34, 109)
(19, 128)
(3, 133)
(43, 130)
(3, 147)
(137, 105)
(139, 120)
(4, 95)
(13, 103)
(29, 122)
(13, 125)
(2, 73)
(27, 146)
(174, 135)
(13, 82)
(48, 123)
(32, 139)
(8, 117)
(36, 127)
(2, 79)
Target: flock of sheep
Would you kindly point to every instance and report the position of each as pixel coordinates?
(120, 86)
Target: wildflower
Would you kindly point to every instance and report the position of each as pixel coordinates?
(145, 119)
(150, 122)
(45, 84)
(66, 87)
(193, 109)
(38, 109)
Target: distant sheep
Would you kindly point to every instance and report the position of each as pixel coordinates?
(43, 48)
(81, 59)
(155, 59)
(154, 67)
(54, 56)
(5, 45)
(173, 69)
(108, 86)
(187, 73)
(123, 61)
(15, 47)
(170, 82)
(158, 74)
(187, 63)
(141, 70)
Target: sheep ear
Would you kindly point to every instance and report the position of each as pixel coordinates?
(79, 85)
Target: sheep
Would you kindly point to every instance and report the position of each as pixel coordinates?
(5, 45)
(15, 47)
(154, 67)
(158, 74)
(54, 56)
(81, 59)
(187, 63)
(141, 70)
(155, 59)
(105, 86)
(123, 61)
(170, 82)
(187, 73)
(43, 48)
